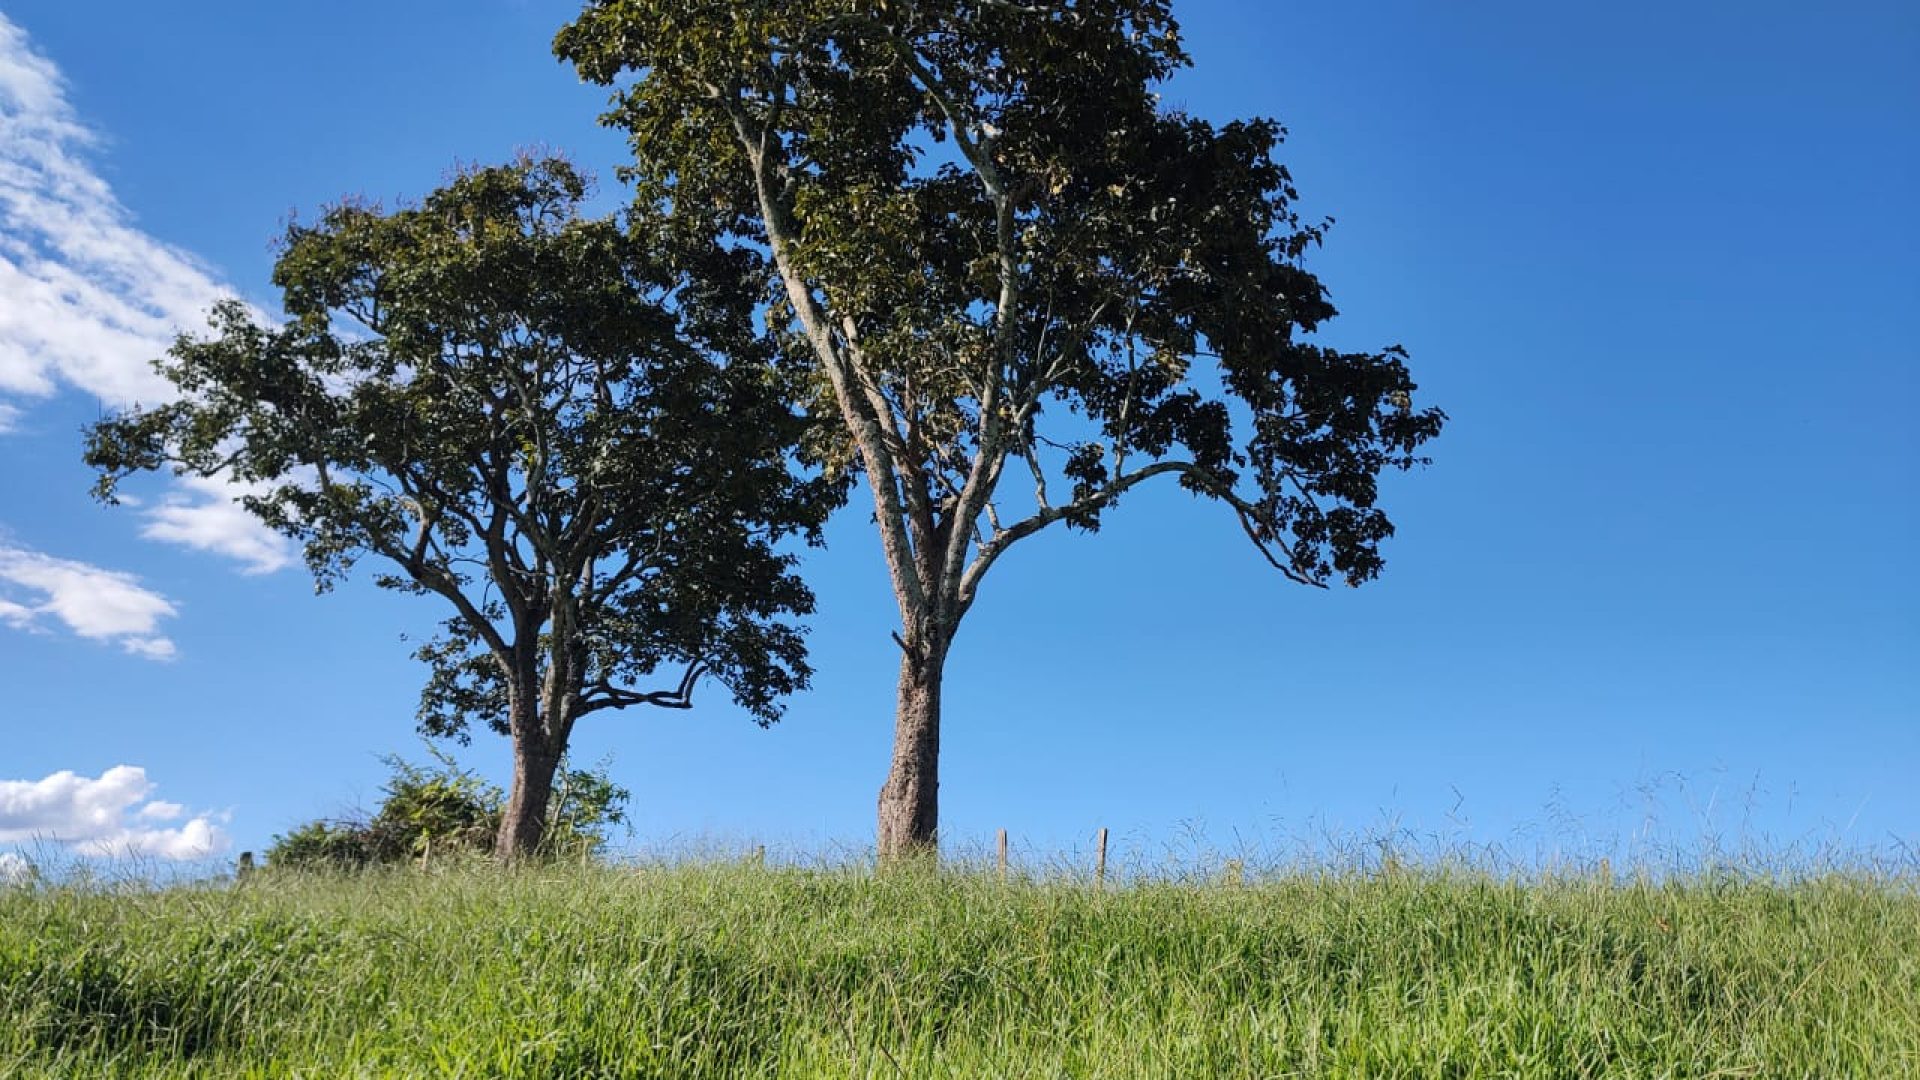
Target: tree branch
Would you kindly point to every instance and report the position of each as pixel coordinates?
(991, 450)
(1247, 513)
(604, 695)
(412, 560)
(866, 429)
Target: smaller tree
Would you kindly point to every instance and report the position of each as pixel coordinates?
(534, 417)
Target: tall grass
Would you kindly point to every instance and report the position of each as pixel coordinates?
(719, 970)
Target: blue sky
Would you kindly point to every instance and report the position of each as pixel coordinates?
(1661, 264)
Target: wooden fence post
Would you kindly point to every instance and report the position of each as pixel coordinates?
(1100, 866)
(1003, 855)
(760, 855)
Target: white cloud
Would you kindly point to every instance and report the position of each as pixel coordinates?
(197, 839)
(97, 816)
(159, 810)
(18, 616)
(153, 648)
(102, 605)
(207, 518)
(92, 301)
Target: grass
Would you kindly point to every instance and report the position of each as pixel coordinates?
(720, 970)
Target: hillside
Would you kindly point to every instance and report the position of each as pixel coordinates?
(724, 971)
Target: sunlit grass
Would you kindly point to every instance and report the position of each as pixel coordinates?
(716, 969)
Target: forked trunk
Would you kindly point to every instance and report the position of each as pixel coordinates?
(523, 822)
(910, 799)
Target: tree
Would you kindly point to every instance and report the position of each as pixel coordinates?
(1000, 250)
(544, 420)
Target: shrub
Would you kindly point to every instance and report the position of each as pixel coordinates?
(441, 809)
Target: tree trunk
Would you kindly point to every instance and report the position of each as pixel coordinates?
(910, 799)
(524, 821)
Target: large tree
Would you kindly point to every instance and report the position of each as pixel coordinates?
(1000, 250)
(542, 419)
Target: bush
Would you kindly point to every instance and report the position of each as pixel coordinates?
(441, 809)
(324, 843)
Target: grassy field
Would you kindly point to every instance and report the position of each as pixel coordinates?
(719, 970)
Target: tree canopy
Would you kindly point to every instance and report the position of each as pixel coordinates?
(999, 248)
(553, 423)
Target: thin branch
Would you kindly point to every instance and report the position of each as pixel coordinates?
(914, 654)
(1247, 513)
(429, 575)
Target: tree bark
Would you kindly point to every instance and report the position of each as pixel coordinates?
(536, 756)
(523, 823)
(910, 799)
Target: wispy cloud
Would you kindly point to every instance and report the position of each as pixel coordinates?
(103, 605)
(91, 300)
(108, 815)
(205, 516)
